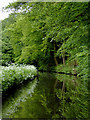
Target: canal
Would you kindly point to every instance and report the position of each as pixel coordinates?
(47, 97)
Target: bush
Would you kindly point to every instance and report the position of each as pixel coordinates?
(14, 74)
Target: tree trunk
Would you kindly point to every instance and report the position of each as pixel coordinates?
(55, 84)
(63, 57)
(55, 59)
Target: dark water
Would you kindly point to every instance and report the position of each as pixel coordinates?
(34, 100)
(43, 98)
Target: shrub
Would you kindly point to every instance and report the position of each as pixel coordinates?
(14, 74)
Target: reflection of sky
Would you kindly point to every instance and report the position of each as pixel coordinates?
(4, 3)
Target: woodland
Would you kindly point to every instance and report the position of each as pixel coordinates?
(52, 36)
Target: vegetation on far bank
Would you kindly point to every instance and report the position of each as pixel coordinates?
(47, 34)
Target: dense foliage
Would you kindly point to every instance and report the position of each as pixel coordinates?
(50, 35)
(14, 75)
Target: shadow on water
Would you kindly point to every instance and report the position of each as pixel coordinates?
(39, 104)
(51, 96)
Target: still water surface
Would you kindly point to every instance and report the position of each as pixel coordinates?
(30, 100)
(38, 99)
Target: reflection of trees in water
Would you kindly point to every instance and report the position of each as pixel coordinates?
(41, 104)
(50, 101)
(73, 100)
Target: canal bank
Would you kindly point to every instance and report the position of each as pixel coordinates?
(48, 98)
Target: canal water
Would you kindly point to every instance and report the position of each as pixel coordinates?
(32, 100)
(41, 98)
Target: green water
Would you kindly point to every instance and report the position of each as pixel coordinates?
(10, 106)
(34, 100)
(46, 99)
